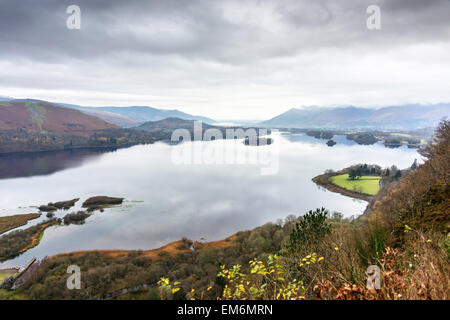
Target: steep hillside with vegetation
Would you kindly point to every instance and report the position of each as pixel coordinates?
(33, 126)
(36, 116)
(422, 198)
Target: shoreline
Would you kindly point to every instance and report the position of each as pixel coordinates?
(74, 148)
(179, 246)
(170, 249)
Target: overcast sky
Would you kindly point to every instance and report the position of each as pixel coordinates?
(226, 59)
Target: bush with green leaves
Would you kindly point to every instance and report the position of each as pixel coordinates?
(266, 280)
(311, 227)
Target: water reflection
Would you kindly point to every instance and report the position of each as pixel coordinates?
(43, 163)
(211, 201)
(303, 137)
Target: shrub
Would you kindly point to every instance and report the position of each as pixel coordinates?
(75, 218)
(163, 253)
(267, 281)
(311, 227)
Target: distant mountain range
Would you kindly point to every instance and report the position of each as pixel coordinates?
(407, 117)
(30, 115)
(136, 115)
(412, 116)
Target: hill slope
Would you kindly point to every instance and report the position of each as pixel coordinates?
(401, 117)
(135, 115)
(170, 124)
(38, 116)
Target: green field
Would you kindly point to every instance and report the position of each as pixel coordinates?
(366, 184)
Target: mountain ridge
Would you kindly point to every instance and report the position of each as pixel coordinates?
(411, 116)
(170, 124)
(39, 116)
(130, 116)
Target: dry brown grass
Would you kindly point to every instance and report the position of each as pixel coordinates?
(215, 244)
(418, 271)
(15, 221)
(170, 249)
(415, 270)
(341, 262)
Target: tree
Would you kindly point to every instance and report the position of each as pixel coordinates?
(359, 172)
(337, 215)
(352, 174)
(414, 165)
(355, 173)
(398, 174)
(312, 227)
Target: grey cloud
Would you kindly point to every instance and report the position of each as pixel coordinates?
(237, 54)
(200, 29)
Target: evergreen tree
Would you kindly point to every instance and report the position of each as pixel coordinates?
(414, 165)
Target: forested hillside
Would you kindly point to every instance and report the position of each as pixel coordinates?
(34, 126)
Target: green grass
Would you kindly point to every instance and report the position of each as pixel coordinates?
(366, 184)
(41, 236)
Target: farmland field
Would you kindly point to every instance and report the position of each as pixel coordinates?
(365, 184)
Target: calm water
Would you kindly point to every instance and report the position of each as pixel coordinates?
(166, 201)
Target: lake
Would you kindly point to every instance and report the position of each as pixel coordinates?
(166, 200)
